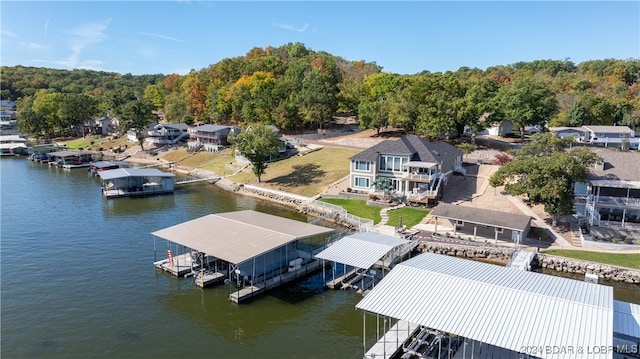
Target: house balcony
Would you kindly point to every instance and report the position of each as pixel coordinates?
(419, 177)
(614, 202)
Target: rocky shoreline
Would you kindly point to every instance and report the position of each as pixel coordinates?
(496, 255)
(559, 264)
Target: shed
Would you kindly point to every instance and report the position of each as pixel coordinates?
(484, 222)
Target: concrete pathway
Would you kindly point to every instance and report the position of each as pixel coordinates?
(539, 222)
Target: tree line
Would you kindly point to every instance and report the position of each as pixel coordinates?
(296, 88)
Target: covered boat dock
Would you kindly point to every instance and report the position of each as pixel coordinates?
(253, 250)
(364, 257)
(449, 307)
(133, 182)
(73, 158)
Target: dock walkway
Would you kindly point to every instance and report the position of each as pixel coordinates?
(259, 288)
(391, 341)
(522, 260)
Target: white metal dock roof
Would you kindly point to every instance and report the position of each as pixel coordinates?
(361, 250)
(626, 319)
(501, 306)
(133, 172)
(236, 237)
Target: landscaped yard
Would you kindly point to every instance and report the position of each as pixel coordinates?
(357, 207)
(409, 216)
(628, 260)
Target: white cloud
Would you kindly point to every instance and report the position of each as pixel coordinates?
(292, 27)
(8, 33)
(82, 37)
(160, 36)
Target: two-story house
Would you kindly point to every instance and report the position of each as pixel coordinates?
(416, 168)
(211, 138)
(166, 134)
(602, 136)
(612, 194)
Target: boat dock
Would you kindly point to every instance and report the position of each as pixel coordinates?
(205, 278)
(253, 290)
(181, 266)
(522, 260)
(392, 340)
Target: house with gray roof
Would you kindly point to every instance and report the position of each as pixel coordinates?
(166, 134)
(416, 168)
(602, 136)
(612, 194)
(485, 223)
(211, 138)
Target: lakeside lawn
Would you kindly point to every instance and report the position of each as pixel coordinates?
(357, 207)
(304, 175)
(628, 260)
(410, 216)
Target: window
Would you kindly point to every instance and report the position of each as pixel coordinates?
(362, 165)
(459, 223)
(499, 230)
(391, 163)
(361, 182)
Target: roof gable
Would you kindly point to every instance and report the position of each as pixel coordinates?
(416, 148)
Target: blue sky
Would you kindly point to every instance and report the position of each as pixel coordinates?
(150, 37)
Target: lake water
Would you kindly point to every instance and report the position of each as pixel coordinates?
(78, 280)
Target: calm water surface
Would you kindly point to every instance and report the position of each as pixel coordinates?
(78, 280)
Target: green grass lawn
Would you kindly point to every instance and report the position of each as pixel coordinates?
(357, 207)
(628, 260)
(410, 216)
(79, 143)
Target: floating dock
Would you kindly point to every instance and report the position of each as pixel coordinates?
(392, 340)
(259, 288)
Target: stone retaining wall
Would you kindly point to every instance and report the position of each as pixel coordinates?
(569, 265)
(458, 250)
(559, 264)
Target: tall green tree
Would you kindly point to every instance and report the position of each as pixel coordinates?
(546, 175)
(527, 102)
(257, 143)
(136, 116)
(75, 109)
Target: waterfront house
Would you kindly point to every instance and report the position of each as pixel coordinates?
(601, 136)
(257, 251)
(210, 137)
(439, 306)
(611, 136)
(417, 169)
(135, 182)
(164, 134)
(101, 126)
(470, 221)
(612, 193)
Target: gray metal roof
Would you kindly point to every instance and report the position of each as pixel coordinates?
(212, 128)
(481, 216)
(610, 129)
(67, 153)
(626, 319)
(497, 305)
(133, 172)
(361, 250)
(236, 237)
